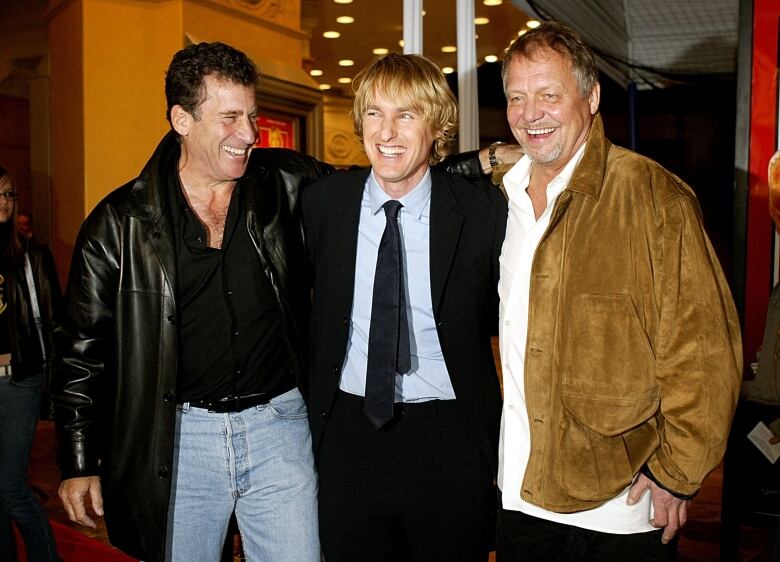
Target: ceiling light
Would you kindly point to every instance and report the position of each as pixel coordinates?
(316, 72)
(401, 43)
(380, 51)
(345, 80)
(324, 86)
(491, 58)
(346, 62)
(448, 70)
(481, 21)
(331, 34)
(449, 49)
(492, 2)
(343, 1)
(522, 32)
(345, 19)
(532, 24)
(423, 12)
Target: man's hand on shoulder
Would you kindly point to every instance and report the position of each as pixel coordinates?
(72, 493)
(670, 512)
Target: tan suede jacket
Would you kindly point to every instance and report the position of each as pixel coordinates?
(633, 353)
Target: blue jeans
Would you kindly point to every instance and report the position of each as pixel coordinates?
(258, 463)
(19, 404)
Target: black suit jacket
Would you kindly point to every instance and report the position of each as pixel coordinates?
(466, 232)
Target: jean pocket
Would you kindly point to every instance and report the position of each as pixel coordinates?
(34, 382)
(288, 406)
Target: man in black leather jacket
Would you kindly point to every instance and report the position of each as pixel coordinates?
(178, 397)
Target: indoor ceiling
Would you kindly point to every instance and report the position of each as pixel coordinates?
(652, 42)
(378, 25)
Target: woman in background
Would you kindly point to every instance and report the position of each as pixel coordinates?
(29, 293)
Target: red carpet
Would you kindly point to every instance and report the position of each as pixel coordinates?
(74, 546)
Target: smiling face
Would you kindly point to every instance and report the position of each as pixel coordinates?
(546, 111)
(6, 206)
(216, 140)
(397, 140)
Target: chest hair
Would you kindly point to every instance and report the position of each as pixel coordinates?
(213, 215)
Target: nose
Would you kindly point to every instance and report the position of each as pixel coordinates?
(528, 111)
(387, 130)
(247, 130)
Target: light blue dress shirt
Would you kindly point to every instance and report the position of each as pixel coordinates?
(428, 378)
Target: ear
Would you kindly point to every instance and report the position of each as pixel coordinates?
(180, 120)
(594, 98)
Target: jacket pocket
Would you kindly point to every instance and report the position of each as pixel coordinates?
(595, 467)
(609, 396)
(609, 381)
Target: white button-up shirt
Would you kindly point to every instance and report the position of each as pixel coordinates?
(523, 234)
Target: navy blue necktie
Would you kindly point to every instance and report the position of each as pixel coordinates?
(388, 336)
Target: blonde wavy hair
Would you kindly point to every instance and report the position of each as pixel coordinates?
(415, 82)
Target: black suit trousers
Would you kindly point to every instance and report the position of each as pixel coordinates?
(419, 489)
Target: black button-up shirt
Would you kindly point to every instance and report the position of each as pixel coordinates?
(232, 341)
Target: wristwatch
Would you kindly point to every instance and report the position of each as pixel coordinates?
(492, 155)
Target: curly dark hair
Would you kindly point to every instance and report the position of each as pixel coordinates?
(184, 78)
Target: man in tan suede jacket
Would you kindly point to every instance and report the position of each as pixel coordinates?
(619, 338)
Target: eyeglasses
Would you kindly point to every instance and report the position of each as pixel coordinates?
(10, 195)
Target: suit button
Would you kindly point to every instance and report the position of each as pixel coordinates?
(172, 319)
(162, 473)
(336, 369)
(323, 414)
(439, 324)
(346, 321)
(168, 396)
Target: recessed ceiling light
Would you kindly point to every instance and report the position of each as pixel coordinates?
(423, 12)
(533, 24)
(481, 21)
(522, 32)
(345, 80)
(345, 19)
(401, 43)
(449, 49)
(343, 1)
(324, 86)
(380, 51)
(331, 34)
(492, 2)
(346, 62)
(316, 72)
(448, 70)
(491, 58)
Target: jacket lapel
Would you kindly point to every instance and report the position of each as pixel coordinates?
(445, 229)
(345, 222)
(148, 201)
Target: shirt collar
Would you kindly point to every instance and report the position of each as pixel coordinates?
(518, 177)
(413, 202)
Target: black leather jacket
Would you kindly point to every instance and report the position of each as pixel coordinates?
(26, 357)
(117, 376)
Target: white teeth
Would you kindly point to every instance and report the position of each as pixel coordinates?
(391, 150)
(234, 151)
(533, 132)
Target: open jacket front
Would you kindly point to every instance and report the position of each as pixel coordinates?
(633, 354)
(118, 374)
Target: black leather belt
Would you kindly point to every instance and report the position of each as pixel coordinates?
(232, 404)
